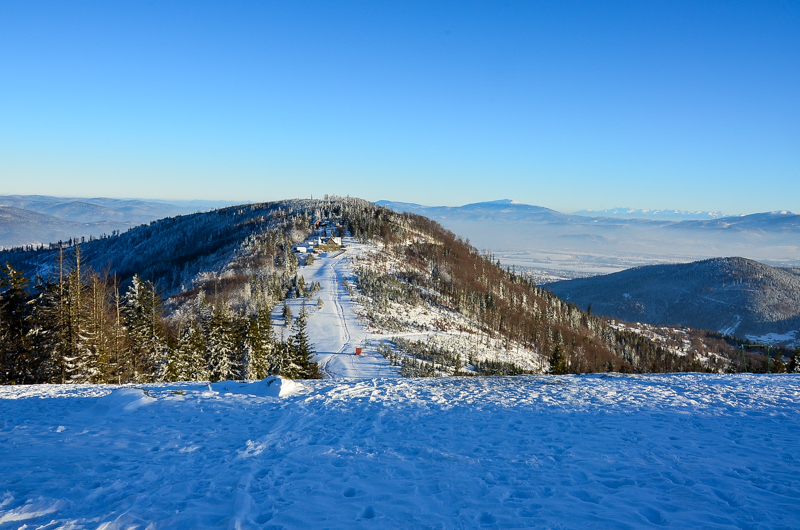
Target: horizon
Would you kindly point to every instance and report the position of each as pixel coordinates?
(572, 106)
(630, 209)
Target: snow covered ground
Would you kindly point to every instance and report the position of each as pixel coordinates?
(789, 339)
(334, 329)
(610, 451)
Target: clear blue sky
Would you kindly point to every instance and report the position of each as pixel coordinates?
(690, 105)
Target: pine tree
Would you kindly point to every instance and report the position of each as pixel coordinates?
(45, 333)
(15, 353)
(223, 363)
(96, 336)
(186, 362)
(558, 363)
(794, 362)
(287, 315)
(142, 309)
(260, 357)
(79, 361)
(300, 351)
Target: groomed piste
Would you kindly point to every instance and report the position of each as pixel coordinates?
(602, 451)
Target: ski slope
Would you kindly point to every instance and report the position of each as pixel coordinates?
(334, 329)
(668, 451)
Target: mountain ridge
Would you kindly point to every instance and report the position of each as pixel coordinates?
(443, 306)
(741, 297)
(538, 238)
(62, 218)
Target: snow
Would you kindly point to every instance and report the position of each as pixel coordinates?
(603, 451)
(730, 330)
(775, 338)
(335, 329)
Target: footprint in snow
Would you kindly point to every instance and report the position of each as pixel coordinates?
(653, 516)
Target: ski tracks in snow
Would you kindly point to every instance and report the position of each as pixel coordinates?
(550, 451)
(337, 300)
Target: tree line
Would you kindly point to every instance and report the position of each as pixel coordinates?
(76, 326)
(504, 305)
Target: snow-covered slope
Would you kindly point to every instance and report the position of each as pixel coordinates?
(679, 451)
(335, 329)
(346, 321)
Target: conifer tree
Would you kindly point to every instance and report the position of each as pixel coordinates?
(558, 363)
(45, 333)
(14, 324)
(142, 308)
(221, 349)
(187, 360)
(260, 351)
(794, 362)
(79, 361)
(301, 351)
(98, 323)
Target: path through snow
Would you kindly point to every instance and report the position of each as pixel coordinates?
(334, 329)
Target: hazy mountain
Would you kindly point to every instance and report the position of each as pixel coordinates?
(63, 217)
(637, 213)
(575, 245)
(412, 276)
(733, 295)
(20, 227)
(502, 210)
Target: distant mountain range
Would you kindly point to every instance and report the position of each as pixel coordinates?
(35, 219)
(636, 213)
(538, 237)
(735, 296)
(509, 210)
(241, 259)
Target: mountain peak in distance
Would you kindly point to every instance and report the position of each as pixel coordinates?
(643, 213)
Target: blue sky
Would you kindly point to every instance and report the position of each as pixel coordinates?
(570, 105)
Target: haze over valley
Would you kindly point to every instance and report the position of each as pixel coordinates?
(552, 246)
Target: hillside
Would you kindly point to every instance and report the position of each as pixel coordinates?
(20, 227)
(229, 294)
(733, 295)
(27, 220)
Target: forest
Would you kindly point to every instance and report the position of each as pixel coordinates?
(201, 309)
(442, 268)
(78, 327)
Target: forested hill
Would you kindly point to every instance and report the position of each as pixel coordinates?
(73, 315)
(436, 265)
(171, 251)
(736, 295)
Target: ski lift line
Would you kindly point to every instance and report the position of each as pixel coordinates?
(768, 347)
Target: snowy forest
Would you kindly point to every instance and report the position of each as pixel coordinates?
(80, 328)
(191, 297)
(78, 325)
(423, 263)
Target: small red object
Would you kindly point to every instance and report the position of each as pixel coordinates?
(358, 351)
